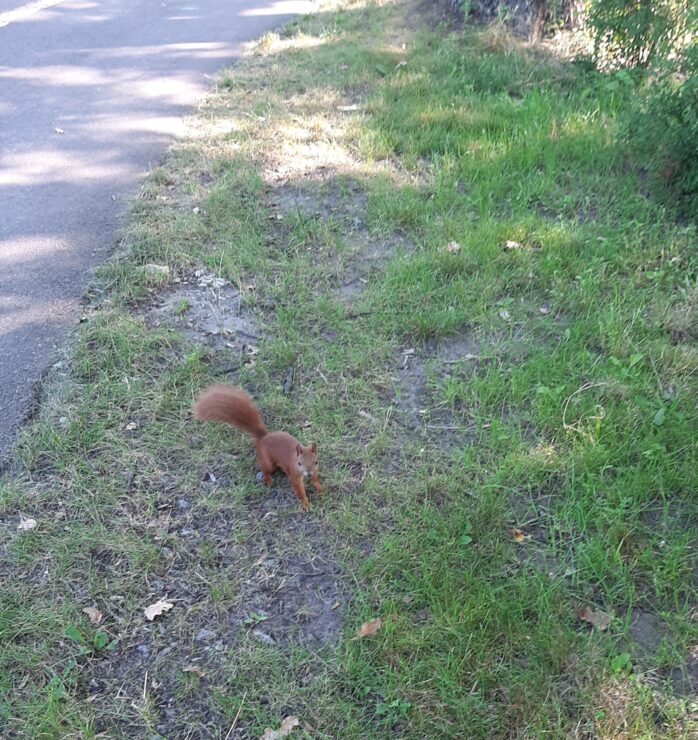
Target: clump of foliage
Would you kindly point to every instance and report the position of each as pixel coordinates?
(659, 38)
(634, 34)
(663, 129)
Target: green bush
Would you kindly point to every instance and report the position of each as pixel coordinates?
(659, 38)
(632, 33)
(663, 130)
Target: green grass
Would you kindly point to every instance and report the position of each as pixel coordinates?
(541, 376)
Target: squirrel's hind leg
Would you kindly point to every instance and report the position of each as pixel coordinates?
(266, 466)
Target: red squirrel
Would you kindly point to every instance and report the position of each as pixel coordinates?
(274, 449)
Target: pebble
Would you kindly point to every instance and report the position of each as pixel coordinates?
(263, 637)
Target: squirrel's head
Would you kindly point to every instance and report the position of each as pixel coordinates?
(306, 459)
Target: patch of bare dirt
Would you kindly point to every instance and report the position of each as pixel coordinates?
(287, 583)
(331, 196)
(207, 310)
(426, 377)
(647, 631)
(369, 258)
(646, 635)
(263, 574)
(327, 194)
(684, 678)
(418, 375)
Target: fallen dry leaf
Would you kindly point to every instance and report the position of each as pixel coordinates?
(193, 669)
(453, 247)
(284, 731)
(156, 609)
(598, 619)
(26, 523)
(518, 536)
(93, 613)
(369, 628)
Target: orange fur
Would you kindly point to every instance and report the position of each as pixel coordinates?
(274, 450)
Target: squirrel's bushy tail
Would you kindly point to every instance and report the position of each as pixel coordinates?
(231, 405)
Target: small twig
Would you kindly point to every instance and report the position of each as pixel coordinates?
(359, 314)
(129, 480)
(243, 333)
(288, 383)
(469, 358)
(388, 417)
(368, 416)
(237, 714)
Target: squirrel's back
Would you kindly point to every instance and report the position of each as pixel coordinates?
(231, 405)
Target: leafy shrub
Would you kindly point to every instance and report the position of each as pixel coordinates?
(632, 33)
(663, 130)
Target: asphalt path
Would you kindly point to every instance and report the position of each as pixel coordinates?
(91, 93)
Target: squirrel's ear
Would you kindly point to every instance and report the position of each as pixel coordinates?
(299, 450)
(313, 447)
